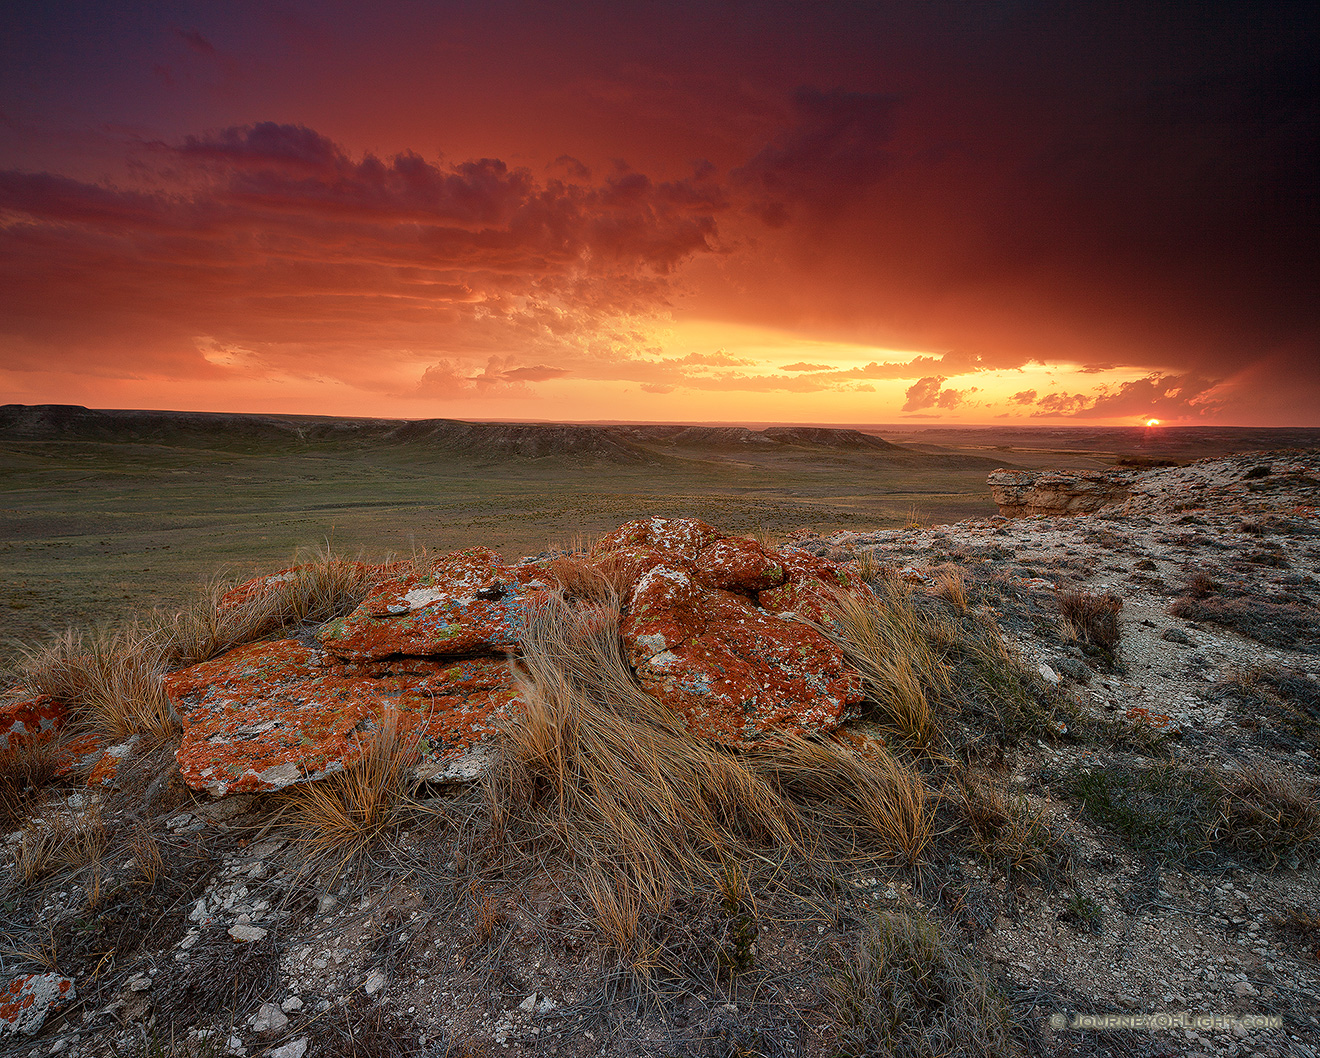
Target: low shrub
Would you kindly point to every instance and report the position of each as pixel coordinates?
(1090, 620)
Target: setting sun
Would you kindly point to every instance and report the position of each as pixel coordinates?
(1152, 422)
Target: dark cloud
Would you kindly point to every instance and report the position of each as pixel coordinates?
(1026, 396)
(837, 148)
(196, 41)
(1096, 184)
(273, 236)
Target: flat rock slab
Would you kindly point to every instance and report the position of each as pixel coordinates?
(28, 999)
(267, 715)
(468, 603)
(736, 673)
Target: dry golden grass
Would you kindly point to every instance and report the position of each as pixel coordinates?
(595, 578)
(608, 773)
(320, 586)
(146, 855)
(618, 907)
(950, 586)
(43, 952)
(337, 817)
(858, 803)
(868, 567)
(884, 636)
(110, 677)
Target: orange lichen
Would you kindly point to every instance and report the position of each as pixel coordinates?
(267, 715)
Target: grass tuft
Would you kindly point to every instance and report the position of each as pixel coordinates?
(950, 586)
(24, 769)
(338, 817)
(1005, 830)
(905, 991)
(1179, 814)
(60, 842)
(882, 634)
(1090, 620)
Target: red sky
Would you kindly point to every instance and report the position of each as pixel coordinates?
(797, 211)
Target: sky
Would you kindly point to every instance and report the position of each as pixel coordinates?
(1021, 212)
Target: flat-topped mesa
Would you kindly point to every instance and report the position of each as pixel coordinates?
(1023, 493)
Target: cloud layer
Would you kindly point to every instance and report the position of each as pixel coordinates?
(1088, 211)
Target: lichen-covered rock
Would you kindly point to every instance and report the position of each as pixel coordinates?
(675, 538)
(27, 719)
(1022, 493)
(28, 999)
(267, 715)
(734, 672)
(811, 583)
(468, 603)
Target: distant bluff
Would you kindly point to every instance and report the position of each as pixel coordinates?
(617, 444)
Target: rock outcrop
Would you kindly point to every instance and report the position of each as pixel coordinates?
(717, 627)
(732, 670)
(1023, 493)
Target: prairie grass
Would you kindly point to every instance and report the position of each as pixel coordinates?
(906, 991)
(317, 588)
(340, 816)
(868, 567)
(855, 802)
(24, 769)
(1179, 813)
(1268, 818)
(147, 859)
(1005, 830)
(1090, 620)
(599, 579)
(110, 677)
(893, 645)
(598, 768)
(951, 587)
